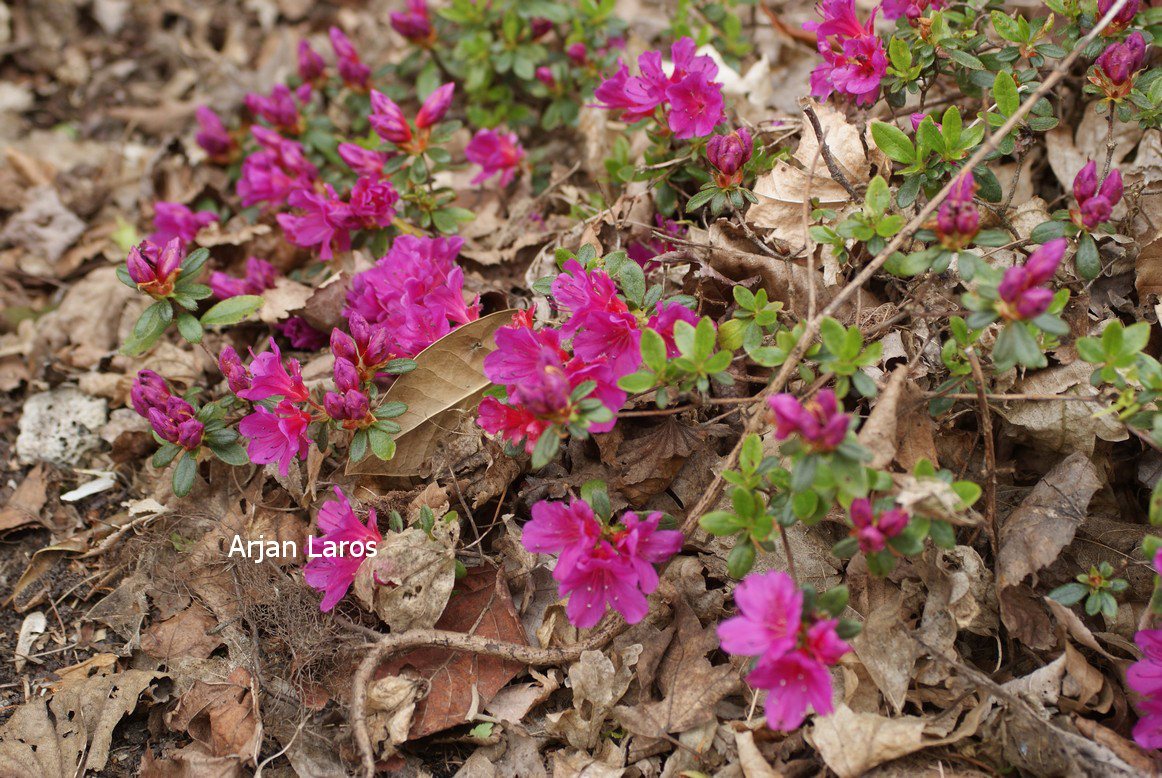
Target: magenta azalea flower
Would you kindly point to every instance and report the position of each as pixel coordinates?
(341, 529)
(302, 335)
(818, 421)
(911, 9)
(495, 152)
(695, 106)
(854, 61)
(276, 436)
(662, 322)
(260, 276)
(279, 109)
(515, 425)
(793, 681)
(269, 378)
(155, 268)
(872, 530)
(770, 607)
(174, 220)
(363, 161)
(1021, 293)
(322, 221)
(1144, 677)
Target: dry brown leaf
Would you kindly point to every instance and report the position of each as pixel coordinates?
(286, 297)
(185, 634)
(448, 380)
(83, 716)
(1044, 523)
(692, 687)
(878, 433)
(223, 717)
(24, 504)
(598, 683)
(885, 645)
(853, 743)
(481, 606)
(1062, 425)
(408, 581)
(751, 762)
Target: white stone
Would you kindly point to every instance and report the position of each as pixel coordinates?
(60, 426)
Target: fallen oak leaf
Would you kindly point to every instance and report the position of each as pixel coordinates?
(448, 379)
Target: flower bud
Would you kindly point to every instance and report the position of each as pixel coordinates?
(139, 268)
(1085, 182)
(163, 425)
(346, 376)
(1095, 211)
(1111, 188)
(545, 76)
(893, 522)
(378, 349)
(237, 377)
(435, 106)
(415, 24)
(365, 162)
(387, 119)
(1123, 18)
(351, 69)
(730, 152)
(540, 26)
(170, 260)
(356, 405)
(212, 135)
(1034, 302)
(311, 65)
(333, 405)
(343, 346)
(1042, 263)
(190, 434)
(1117, 65)
(577, 52)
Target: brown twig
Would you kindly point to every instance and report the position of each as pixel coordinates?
(1020, 397)
(871, 268)
(990, 453)
(828, 159)
(1111, 145)
(455, 641)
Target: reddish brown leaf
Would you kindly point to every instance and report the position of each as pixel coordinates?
(480, 605)
(186, 634)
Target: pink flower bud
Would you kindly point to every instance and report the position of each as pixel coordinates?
(435, 106)
(1034, 302)
(577, 52)
(170, 260)
(1111, 188)
(237, 376)
(387, 119)
(311, 65)
(140, 270)
(1123, 17)
(1085, 182)
(346, 376)
(545, 76)
(1043, 262)
(360, 330)
(540, 26)
(356, 405)
(351, 69)
(415, 24)
(212, 135)
(165, 428)
(1015, 281)
(343, 346)
(1095, 211)
(861, 512)
(333, 405)
(893, 522)
(189, 434)
(1119, 62)
(730, 152)
(365, 162)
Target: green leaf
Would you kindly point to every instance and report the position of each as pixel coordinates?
(189, 327)
(704, 338)
(878, 198)
(846, 548)
(164, 455)
(1005, 94)
(231, 453)
(546, 448)
(1086, 260)
(358, 448)
(700, 199)
(930, 137)
(148, 329)
(1047, 231)
(382, 444)
(231, 310)
(653, 348)
(950, 129)
(892, 141)
(641, 381)
(184, 473)
(1069, 594)
(964, 58)
(633, 281)
(720, 523)
(992, 238)
(740, 559)
(193, 263)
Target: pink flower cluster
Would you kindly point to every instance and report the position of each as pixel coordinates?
(873, 530)
(174, 220)
(689, 98)
(171, 417)
(389, 122)
(818, 422)
(1116, 67)
(910, 9)
(326, 221)
(276, 436)
(155, 268)
(271, 174)
(495, 152)
(794, 649)
(854, 61)
(600, 565)
(280, 109)
(1095, 206)
(414, 293)
(341, 530)
(260, 276)
(1021, 293)
(540, 374)
(958, 220)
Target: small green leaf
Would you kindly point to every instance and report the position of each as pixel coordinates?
(1069, 594)
(184, 473)
(148, 329)
(653, 348)
(546, 448)
(358, 448)
(231, 310)
(382, 444)
(1086, 260)
(892, 141)
(189, 327)
(231, 453)
(1005, 94)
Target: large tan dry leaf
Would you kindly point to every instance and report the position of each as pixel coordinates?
(222, 717)
(408, 581)
(185, 634)
(885, 645)
(878, 433)
(90, 318)
(1146, 229)
(1044, 523)
(286, 296)
(692, 687)
(750, 759)
(598, 683)
(853, 743)
(456, 681)
(448, 380)
(24, 504)
(580, 764)
(75, 729)
(1065, 425)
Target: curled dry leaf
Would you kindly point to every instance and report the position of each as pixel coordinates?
(878, 433)
(853, 743)
(74, 730)
(222, 717)
(286, 297)
(448, 380)
(1062, 425)
(598, 683)
(409, 579)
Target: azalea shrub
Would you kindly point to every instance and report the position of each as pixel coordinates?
(348, 156)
